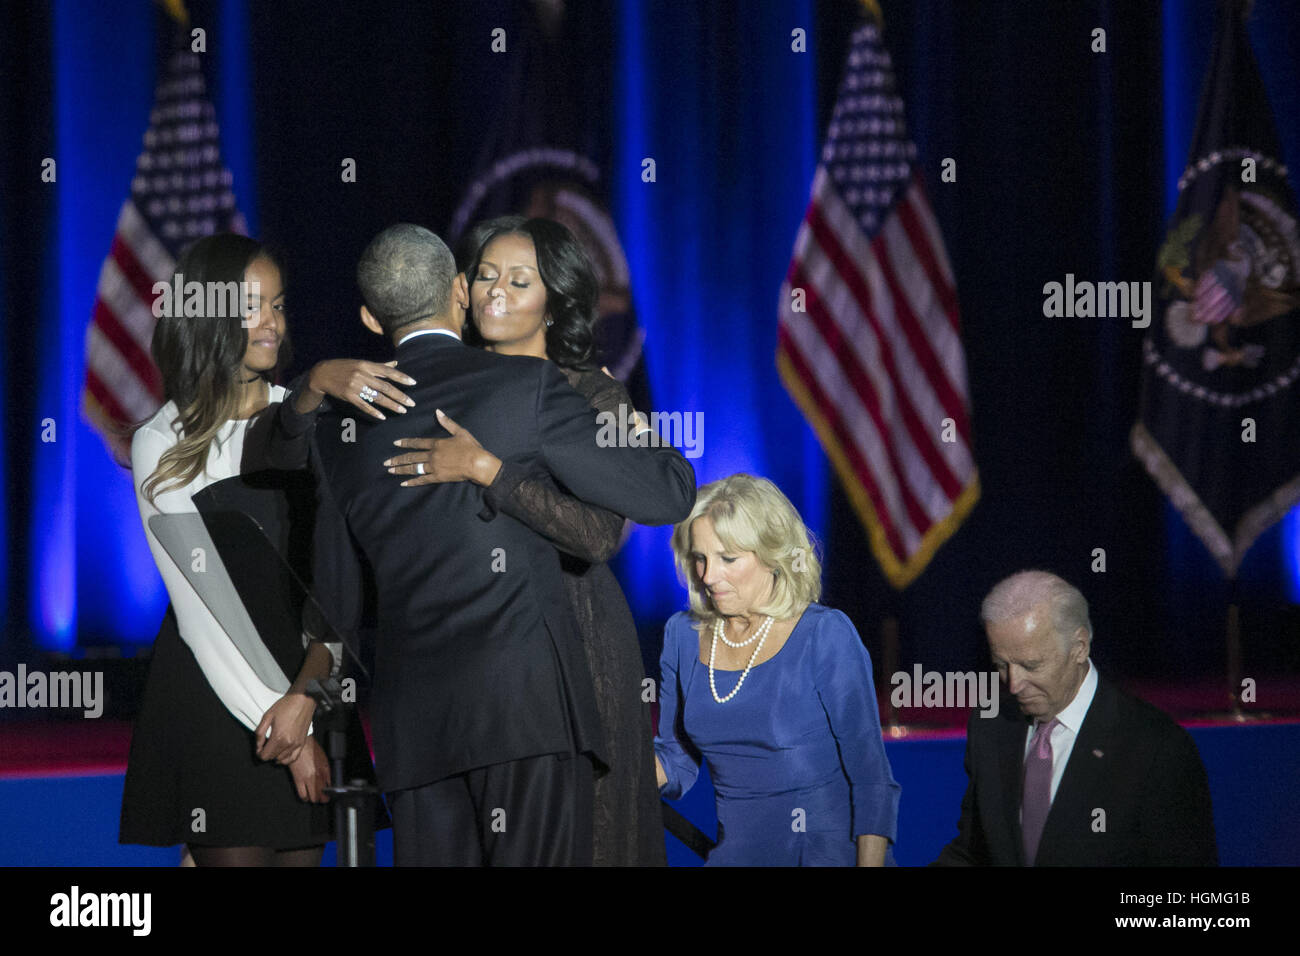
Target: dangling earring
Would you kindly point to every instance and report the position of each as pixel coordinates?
(549, 321)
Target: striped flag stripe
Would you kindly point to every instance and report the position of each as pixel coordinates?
(138, 360)
(953, 404)
(147, 249)
(923, 299)
(850, 275)
(121, 255)
(134, 315)
(180, 192)
(874, 356)
(820, 274)
(861, 268)
(834, 399)
(106, 397)
(911, 215)
(934, 237)
(819, 278)
(115, 373)
(909, 465)
(858, 389)
(830, 413)
(841, 303)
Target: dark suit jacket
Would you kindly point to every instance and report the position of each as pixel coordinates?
(1129, 760)
(477, 660)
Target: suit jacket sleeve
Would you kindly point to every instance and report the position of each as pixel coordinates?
(278, 436)
(337, 587)
(650, 485)
(970, 847)
(1177, 821)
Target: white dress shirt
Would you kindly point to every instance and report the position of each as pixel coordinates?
(411, 335)
(1067, 729)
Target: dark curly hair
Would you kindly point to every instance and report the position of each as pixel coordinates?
(571, 287)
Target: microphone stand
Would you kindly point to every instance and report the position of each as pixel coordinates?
(354, 801)
(246, 589)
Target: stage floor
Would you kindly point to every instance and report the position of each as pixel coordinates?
(61, 786)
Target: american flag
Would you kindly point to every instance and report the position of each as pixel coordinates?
(180, 193)
(869, 342)
(1219, 292)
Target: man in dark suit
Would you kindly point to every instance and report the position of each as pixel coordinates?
(1080, 773)
(484, 719)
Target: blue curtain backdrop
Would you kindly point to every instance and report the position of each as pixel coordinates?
(1066, 161)
(91, 577)
(727, 111)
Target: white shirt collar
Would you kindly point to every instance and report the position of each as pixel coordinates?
(1077, 709)
(411, 335)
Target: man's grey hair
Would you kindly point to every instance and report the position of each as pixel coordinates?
(1016, 596)
(405, 274)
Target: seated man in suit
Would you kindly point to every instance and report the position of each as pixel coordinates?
(1080, 774)
(484, 719)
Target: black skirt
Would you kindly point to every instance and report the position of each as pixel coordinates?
(193, 776)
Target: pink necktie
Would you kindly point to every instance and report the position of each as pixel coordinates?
(1037, 798)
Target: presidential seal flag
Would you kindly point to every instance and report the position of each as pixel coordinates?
(1219, 424)
(542, 156)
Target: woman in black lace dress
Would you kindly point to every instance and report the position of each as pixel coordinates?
(533, 292)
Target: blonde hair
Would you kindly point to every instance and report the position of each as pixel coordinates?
(751, 514)
(197, 427)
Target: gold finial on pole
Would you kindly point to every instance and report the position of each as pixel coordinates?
(872, 7)
(176, 10)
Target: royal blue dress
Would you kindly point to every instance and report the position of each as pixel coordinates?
(796, 757)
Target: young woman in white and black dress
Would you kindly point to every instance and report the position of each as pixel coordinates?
(219, 761)
(533, 292)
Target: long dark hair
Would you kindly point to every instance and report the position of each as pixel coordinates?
(200, 357)
(571, 287)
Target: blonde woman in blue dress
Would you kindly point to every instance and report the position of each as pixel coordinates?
(773, 690)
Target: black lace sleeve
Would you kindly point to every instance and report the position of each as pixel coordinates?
(585, 531)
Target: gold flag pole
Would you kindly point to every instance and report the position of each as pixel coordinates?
(889, 658)
(889, 655)
(1234, 662)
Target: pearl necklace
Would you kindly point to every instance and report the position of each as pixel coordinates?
(760, 635)
(721, 631)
